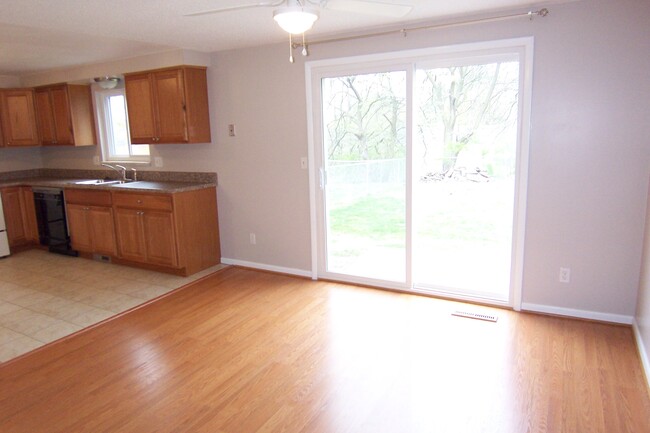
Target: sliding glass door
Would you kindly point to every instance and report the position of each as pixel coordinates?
(418, 173)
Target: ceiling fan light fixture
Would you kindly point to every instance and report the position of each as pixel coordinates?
(295, 20)
(108, 82)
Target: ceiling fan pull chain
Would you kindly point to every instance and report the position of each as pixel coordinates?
(290, 48)
(305, 53)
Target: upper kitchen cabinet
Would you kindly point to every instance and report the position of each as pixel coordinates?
(18, 118)
(168, 105)
(65, 115)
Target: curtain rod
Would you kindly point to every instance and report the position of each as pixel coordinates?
(404, 31)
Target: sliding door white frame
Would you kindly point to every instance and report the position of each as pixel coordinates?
(406, 60)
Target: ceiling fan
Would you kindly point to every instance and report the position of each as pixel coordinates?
(370, 7)
(297, 16)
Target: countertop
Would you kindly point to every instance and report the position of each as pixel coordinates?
(143, 186)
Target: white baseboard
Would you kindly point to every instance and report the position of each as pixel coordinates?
(581, 314)
(643, 351)
(265, 267)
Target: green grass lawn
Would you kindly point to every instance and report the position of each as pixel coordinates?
(472, 212)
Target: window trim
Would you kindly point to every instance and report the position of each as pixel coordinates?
(105, 131)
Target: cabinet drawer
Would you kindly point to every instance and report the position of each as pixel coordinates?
(88, 197)
(143, 201)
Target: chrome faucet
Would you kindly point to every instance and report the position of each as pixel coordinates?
(135, 174)
(119, 168)
(110, 166)
(123, 173)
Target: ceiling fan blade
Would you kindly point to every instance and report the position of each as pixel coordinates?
(369, 7)
(235, 8)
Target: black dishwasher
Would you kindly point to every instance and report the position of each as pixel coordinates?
(52, 225)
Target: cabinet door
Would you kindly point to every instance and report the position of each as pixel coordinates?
(102, 230)
(79, 226)
(19, 118)
(45, 117)
(11, 202)
(29, 214)
(140, 106)
(62, 118)
(170, 109)
(130, 234)
(159, 238)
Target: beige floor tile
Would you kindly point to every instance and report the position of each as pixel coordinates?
(76, 292)
(8, 307)
(90, 317)
(116, 302)
(56, 307)
(14, 292)
(142, 290)
(17, 347)
(56, 331)
(46, 284)
(102, 281)
(26, 322)
(7, 335)
(31, 299)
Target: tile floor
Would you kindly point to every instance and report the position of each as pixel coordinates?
(45, 296)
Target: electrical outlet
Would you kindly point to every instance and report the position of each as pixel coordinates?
(565, 275)
(252, 238)
(231, 130)
(157, 161)
(303, 163)
(95, 160)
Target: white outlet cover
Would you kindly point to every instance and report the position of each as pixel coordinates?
(303, 163)
(158, 161)
(95, 160)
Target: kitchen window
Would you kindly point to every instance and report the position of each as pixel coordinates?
(114, 137)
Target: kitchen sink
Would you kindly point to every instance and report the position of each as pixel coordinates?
(99, 182)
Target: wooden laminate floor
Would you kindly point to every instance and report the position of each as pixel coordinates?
(245, 351)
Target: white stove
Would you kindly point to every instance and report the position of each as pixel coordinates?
(4, 243)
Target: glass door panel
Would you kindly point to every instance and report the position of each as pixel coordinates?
(464, 163)
(364, 177)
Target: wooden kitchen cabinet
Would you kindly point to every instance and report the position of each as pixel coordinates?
(146, 236)
(65, 115)
(20, 216)
(176, 231)
(168, 105)
(145, 228)
(18, 118)
(90, 221)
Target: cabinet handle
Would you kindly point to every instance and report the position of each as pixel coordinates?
(139, 201)
(86, 208)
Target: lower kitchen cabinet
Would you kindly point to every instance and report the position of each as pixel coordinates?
(90, 221)
(175, 231)
(146, 236)
(20, 215)
(91, 229)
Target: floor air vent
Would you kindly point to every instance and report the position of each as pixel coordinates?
(477, 316)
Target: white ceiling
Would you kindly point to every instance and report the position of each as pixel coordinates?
(38, 35)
